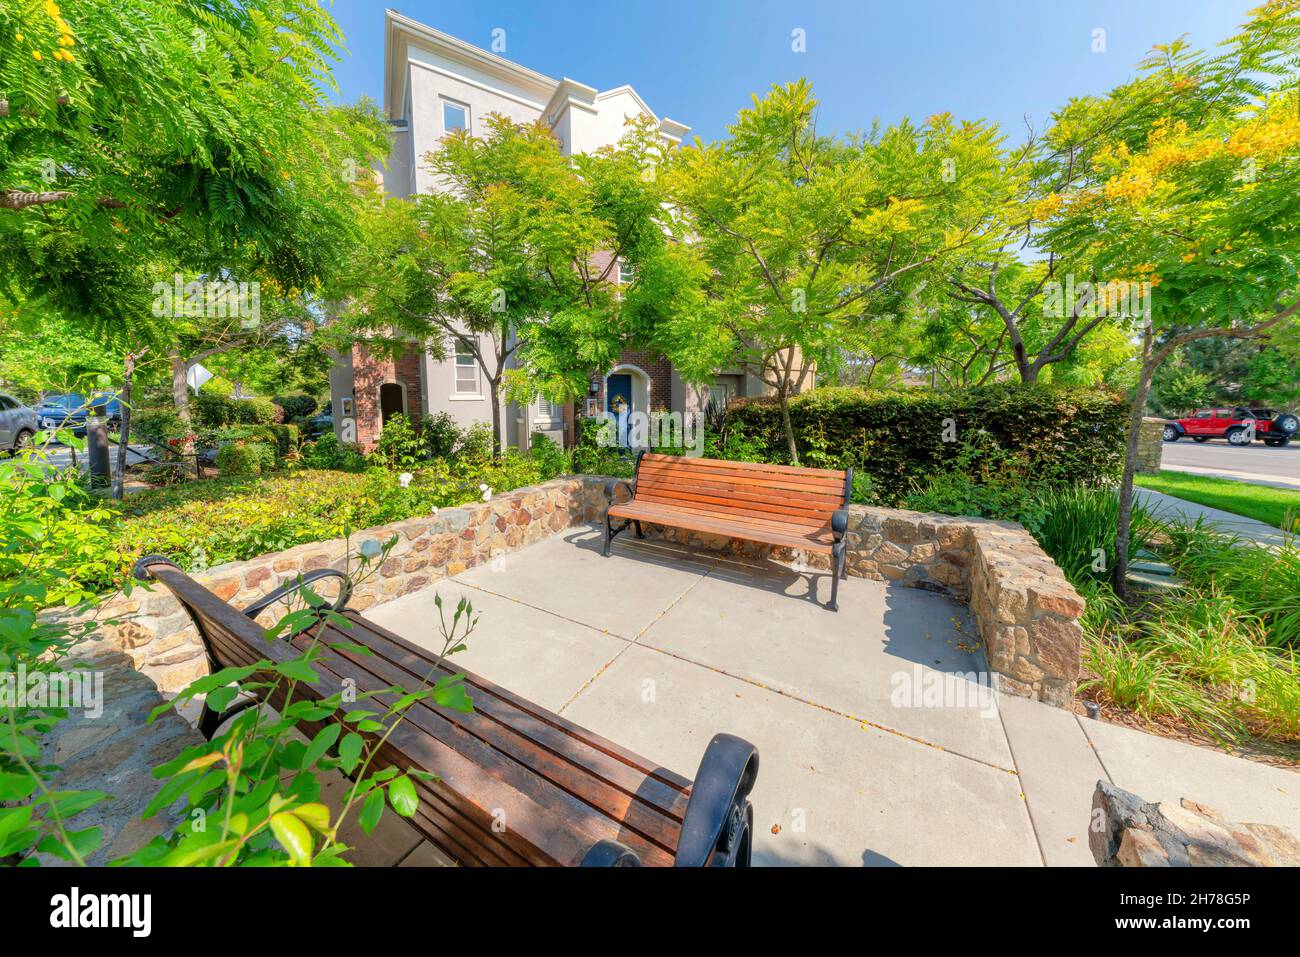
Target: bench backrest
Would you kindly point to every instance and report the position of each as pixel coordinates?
(796, 496)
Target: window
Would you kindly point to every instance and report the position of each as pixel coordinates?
(548, 411)
(626, 273)
(454, 117)
(719, 396)
(466, 369)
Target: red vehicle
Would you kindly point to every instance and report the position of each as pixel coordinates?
(1235, 425)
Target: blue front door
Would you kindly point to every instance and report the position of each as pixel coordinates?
(618, 401)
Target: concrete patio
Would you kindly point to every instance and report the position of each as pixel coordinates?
(864, 759)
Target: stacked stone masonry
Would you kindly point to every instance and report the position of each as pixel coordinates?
(1026, 611)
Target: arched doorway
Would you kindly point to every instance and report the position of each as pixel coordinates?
(392, 400)
(627, 389)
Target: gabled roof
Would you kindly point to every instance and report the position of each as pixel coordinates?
(402, 29)
(555, 94)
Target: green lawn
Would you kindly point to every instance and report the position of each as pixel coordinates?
(1262, 502)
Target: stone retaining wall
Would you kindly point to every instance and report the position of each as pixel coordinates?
(1026, 611)
(159, 637)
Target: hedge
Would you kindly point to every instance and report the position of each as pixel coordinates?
(1056, 435)
(212, 409)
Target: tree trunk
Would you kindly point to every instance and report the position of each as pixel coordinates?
(494, 389)
(124, 437)
(181, 399)
(786, 424)
(1124, 522)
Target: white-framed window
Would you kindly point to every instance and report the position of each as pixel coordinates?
(626, 273)
(455, 116)
(466, 370)
(548, 411)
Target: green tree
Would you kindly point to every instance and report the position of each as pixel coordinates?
(517, 258)
(801, 233)
(140, 140)
(1194, 188)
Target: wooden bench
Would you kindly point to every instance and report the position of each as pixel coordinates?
(565, 795)
(785, 505)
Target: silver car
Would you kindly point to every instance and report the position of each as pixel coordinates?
(17, 424)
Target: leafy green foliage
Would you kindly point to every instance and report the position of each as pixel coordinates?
(213, 409)
(801, 237)
(1060, 436)
(245, 458)
(55, 548)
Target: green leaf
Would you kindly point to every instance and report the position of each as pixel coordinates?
(323, 741)
(350, 751)
(315, 815)
(371, 811)
(297, 670)
(293, 836)
(402, 796)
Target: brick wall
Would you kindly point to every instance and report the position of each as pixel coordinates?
(369, 372)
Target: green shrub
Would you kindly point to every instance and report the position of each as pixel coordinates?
(399, 448)
(327, 452)
(552, 461)
(297, 406)
(156, 425)
(441, 433)
(901, 438)
(595, 453)
(474, 444)
(245, 458)
(215, 411)
(1262, 580)
(1199, 658)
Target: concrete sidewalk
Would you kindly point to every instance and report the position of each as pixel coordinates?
(879, 743)
(1167, 507)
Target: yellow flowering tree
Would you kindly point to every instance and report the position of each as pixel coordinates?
(1192, 185)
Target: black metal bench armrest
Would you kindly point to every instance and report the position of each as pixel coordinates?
(612, 486)
(717, 829)
(608, 853)
(839, 523)
(284, 591)
(140, 571)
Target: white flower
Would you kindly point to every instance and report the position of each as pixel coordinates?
(487, 492)
(433, 510)
(371, 548)
(405, 479)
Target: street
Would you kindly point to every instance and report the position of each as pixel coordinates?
(1255, 463)
(60, 456)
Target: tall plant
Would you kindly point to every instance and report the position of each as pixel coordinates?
(802, 234)
(1192, 186)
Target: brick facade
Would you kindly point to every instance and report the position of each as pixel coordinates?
(369, 373)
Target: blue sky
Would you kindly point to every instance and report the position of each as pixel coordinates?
(699, 62)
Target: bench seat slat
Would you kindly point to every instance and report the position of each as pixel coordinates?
(563, 768)
(742, 518)
(704, 522)
(791, 513)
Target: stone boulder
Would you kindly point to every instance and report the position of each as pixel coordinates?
(1127, 832)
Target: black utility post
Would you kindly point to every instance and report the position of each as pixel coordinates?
(97, 443)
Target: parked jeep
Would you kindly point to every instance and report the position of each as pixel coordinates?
(1273, 427)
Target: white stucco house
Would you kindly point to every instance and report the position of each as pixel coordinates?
(434, 84)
